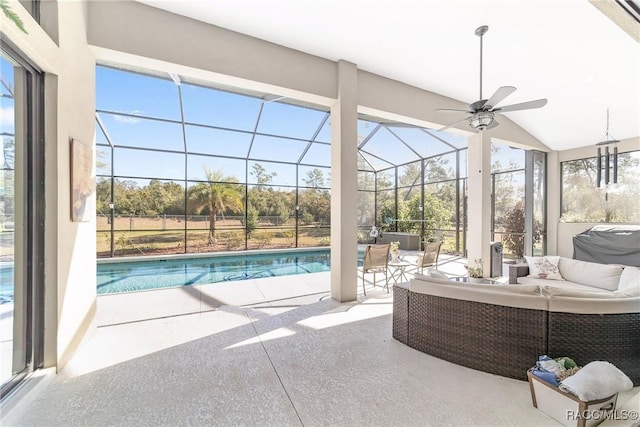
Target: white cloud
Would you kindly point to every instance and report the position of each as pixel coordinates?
(127, 119)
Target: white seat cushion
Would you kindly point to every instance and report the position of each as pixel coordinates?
(564, 284)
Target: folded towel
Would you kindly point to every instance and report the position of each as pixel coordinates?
(566, 362)
(549, 377)
(550, 366)
(596, 380)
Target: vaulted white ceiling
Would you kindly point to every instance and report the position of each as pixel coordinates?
(564, 50)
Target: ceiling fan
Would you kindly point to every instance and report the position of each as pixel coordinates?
(481, 114)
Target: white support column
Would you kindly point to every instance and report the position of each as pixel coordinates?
(344, 185)
(479, 200)
(554, 186)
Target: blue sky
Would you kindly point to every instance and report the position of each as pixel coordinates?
(120, 92)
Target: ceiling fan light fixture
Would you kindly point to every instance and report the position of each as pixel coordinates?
(481, 120)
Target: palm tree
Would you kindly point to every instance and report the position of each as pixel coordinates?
(219, 194)
(12, 15)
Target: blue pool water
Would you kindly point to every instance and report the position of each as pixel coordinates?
(142, 275)
(6, 283)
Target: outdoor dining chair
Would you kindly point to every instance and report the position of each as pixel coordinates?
(429, 258)
(376, 260)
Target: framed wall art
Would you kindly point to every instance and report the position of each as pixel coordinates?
(82, 187)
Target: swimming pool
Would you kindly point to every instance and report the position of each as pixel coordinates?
(129, 276)
(6, 282)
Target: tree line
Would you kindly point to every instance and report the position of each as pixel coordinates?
(220, 196)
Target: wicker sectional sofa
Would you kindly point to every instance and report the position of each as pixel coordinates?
(502, 329)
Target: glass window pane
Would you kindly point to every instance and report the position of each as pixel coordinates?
(463, 163)
(147, 164)
(103, 199)
(144, 133)
(504, 157)
(227, 240)
(423, 143)
(440, 209)
(133, 93)
(406, 194)
(103, 239)
(103, 160)
(508, 217)
(386, 179)
(410, 174)
(318, 154)
(282, 119)
(101, 138)
(219, 142)
(366, 208)
(366, 180)
(582, 201)
(375, 162)
(325, 133)
(386, 146)
(228, 202)
(272, 173)
(198, 167)
(148, 202)
(147, 242)
(271, 148)
(314, 236)
(539, 202)
(386, 206)
(439, 168)
(458, 141)
(219, 108)
(314, 177)
(365, 127)
(271, 206)
(13, 286)
(363, 164)
(7, 122)
(7, 73)
(281, 237)
(315, 207)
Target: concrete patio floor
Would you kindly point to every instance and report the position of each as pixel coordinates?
(270, 352)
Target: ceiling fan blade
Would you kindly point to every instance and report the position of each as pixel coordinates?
(499, 95)
(493, 124)
(451, 110)
(522, 106)
(451, 124)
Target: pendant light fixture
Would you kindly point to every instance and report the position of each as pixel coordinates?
(610, 159)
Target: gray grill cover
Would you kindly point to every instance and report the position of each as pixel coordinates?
(608, 245)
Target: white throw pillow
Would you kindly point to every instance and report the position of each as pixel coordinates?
(603, 276)
(544, 267)
(629, 285)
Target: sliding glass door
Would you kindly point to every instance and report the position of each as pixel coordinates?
(21, 218)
